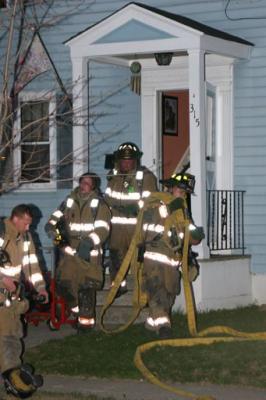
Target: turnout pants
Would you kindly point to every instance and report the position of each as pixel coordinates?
(161, 283)
(120, 240)
(11, 333)
(77, 282)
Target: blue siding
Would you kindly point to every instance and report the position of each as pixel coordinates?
(43, 204)
(120, 120)
(114, 113)
(133, 30)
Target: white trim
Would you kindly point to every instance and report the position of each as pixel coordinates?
(30, 96)
(127, 14)
(219, 72)
(221, 76)
(80, 125)
(197, 122)
(185, 72)
(184, 37)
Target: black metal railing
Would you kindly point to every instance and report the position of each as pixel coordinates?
(225, 229)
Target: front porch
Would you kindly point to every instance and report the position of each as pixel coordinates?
(224, 282)
(203, 61)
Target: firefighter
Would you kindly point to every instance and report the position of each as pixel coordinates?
(161, 252)
(127, 184)
(79, 227)
(18, 265)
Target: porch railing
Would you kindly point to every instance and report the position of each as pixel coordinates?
(225, 229)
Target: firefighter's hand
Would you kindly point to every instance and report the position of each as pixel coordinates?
(69, 250)
(9, 284)
(43, 294)
(50, 231)
(60, 241)
(84, 248)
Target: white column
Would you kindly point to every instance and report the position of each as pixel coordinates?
(149, 142)
(80, 117)
(197, 105)
(224, 164)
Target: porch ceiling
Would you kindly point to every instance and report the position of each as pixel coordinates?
(138, 31)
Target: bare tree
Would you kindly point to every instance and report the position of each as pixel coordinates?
(25, 126)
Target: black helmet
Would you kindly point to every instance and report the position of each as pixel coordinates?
(128, 150)
(183, 181)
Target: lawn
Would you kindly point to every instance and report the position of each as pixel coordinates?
(111, 356)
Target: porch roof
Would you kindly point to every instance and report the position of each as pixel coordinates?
(178, 18)
(140, 29)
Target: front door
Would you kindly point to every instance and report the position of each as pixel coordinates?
(175, 131)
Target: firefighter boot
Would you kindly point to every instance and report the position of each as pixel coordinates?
(86, 304)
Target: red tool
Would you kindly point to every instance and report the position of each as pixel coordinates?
(56, 313)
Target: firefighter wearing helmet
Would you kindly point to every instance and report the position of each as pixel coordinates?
(160, 251)
(18, 265)
(79, 228)
(128, 184)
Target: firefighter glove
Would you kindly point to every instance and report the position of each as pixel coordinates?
(175, 204)
(84, 248)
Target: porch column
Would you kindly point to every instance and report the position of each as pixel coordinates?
(224, 179)
(148, 129)
(80, 117)
(197, 95)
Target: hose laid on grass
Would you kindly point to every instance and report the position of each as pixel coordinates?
(198, 338)
(139, 302)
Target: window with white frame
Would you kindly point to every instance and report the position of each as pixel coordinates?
(3, 3)
(34, 154)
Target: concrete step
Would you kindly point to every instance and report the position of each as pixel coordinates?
(129, 279)
(119, 315)
(121, 309)
(124, 300)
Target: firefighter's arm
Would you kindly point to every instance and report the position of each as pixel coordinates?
(33, 272)
(98, 236)
(111, 201)
(51, 227)
(150, 182)
(101, 224)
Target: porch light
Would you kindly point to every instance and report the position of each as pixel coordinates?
(163, 58)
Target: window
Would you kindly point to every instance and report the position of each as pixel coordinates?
(35, 143)
(3, 3)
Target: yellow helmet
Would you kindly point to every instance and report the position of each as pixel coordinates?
(183, 181)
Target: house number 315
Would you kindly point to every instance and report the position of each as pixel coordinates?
(192, 110)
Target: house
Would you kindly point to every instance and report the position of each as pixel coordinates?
(201, 99)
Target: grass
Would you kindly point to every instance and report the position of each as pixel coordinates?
(111, 356)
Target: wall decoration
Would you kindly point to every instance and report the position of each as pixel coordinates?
(170, 115)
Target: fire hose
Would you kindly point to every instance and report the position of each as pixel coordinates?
(139, 302)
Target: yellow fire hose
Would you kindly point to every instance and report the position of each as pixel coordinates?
(139, 302)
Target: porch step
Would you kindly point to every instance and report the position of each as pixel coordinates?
(121, 309)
